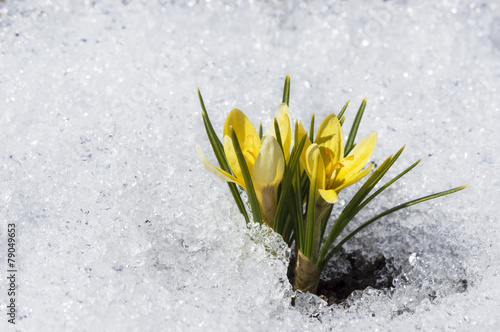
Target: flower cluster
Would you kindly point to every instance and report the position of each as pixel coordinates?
(264, 158)
(293, 189)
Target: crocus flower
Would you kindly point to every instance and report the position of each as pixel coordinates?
(264, 158)
(283, 118)
(335, 172)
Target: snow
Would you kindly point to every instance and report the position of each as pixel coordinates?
(119, 226)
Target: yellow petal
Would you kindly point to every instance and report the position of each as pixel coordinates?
(329, 195)
(266, 176)
(330, 137)
(311, 154)
(283, 118)
(270, 164)
(355, 178)
(216, 170)
(231, 157)
(302, 132)
(309, 159)
(356, 159)
(248, 137)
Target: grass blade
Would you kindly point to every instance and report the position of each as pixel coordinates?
(221, 157)
(354, 129)
(286, 91)
(342, 111)
(299, 221)
(324, 222)
(387, 212)
(356, 204)
(342, 121)
(298, 226)
(311, 214)
(278, 136)
(385, 186)
(286, 185)
(252, 197)
(347, 214)
(311, 129)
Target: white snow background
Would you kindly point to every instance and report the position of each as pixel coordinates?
(119, 226)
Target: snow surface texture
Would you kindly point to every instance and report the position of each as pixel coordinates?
(119, 226)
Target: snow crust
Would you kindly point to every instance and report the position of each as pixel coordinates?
(119, 226)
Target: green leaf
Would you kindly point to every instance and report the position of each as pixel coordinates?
(354, 129)
(221, 157)
(286, 91)
(278, 135)
(325, 219)
(252, 197)
(342, 121)
(304, 185)
(286, 186)
(299, 221)
(298, 226)
(347, 214)
(340, 116)
(355, 205)
(288, 226)
(387, 212)
(311, 129)
(311, 215)
(385, 186)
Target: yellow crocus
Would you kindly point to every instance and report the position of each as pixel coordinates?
(264, 159)
(335, 172)
(283, 118)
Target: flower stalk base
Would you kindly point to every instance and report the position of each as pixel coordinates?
(306, 274)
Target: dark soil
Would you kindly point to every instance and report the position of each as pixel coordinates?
(348, 272)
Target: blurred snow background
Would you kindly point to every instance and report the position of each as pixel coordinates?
(119, 227)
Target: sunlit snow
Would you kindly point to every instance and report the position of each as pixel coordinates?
(120, 227)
